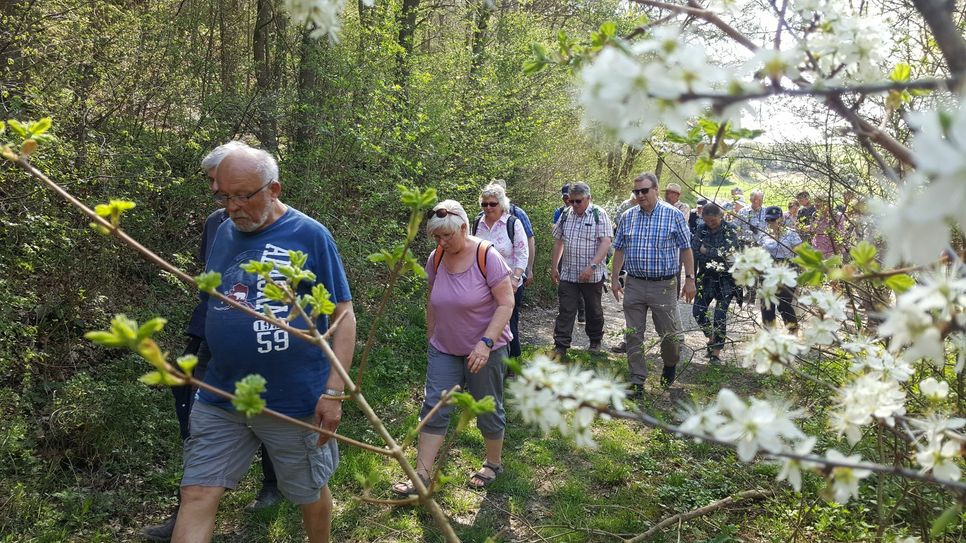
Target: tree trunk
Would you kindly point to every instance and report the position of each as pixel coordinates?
(265, 123)
(481, 20)
(308, 81)
(407, 31)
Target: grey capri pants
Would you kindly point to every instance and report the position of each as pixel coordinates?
(445, 370)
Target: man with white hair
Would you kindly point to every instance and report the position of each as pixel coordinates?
(581, 242)
(184, 395)
(672, 195)
(300, 382)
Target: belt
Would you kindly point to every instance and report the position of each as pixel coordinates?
(661, 278)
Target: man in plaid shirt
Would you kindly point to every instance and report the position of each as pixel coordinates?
(581, 239)
(652, 243)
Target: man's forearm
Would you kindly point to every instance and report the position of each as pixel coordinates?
(687, 260)
(557, 253)
(618, 262)
(343, 342)
(602, 249)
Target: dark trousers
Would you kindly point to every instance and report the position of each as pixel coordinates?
(720, 290)
(786, 299)
(515, 323)
(184, 399)
(568, 294)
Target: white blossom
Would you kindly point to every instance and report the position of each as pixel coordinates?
(755, 425)
(936, 425)
(776, 64)
(940, 458)
(908, 323)
(827, 304)
(323, 14)
(774, 278)
(820, 331)
(771, 350)
(749, 264)
(863, 400)
(564, 398)
(881, 364)
(792, 467)
(933, 389)
(701, 420)
(845, 480)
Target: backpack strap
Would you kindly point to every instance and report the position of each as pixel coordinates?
(511, 225)
(481, 249)
(476, 223)
(437, 258)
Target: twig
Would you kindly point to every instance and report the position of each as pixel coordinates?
(710, 508)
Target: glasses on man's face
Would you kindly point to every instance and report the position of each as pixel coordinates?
(577, 202)
(440, 213)
(638, 192)
(489, 204)
(225, 199)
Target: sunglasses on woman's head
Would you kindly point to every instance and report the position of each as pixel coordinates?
(440, 213)
(489, 204)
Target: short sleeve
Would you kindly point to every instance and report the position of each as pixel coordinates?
(558, 228)
(496, 268)
(620, 231)
(525, 220)
(681, 231)
(604, 229)
(329, 270)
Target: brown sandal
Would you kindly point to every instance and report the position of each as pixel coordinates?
(407, 488)
(484, 479)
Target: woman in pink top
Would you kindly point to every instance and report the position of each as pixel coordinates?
(827, 229)
(495, 226)
(470, 303)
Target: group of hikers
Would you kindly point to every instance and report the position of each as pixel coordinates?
(477, 275)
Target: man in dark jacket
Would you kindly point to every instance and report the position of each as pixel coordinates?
(713, 243)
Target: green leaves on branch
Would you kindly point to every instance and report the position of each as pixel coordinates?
(111, 212)
(390, 259)
(208, 281)
(470, 408)
(569, 52)
(710, 139)
(319, 301)
(248, 399)
(814, 267)
(418, 202)
(125, 333)
(30, 135)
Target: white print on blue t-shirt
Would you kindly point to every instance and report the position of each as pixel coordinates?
(268, 336)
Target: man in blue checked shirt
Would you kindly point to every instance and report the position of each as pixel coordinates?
(652, 243)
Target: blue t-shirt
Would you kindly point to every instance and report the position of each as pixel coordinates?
(521, 215)
(296, 371)
(196, 327)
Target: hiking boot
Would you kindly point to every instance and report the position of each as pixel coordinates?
(160, 532)
(668, 374)
(620, 348)
(594, 347)
(635, 392)
(267, 497)
(714, 360)
(560, 353)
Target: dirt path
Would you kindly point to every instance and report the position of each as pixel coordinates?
(537, 323)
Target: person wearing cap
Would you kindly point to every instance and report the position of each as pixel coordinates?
(694, 221)
(714, 244)
(780, 242)
(653, 242)
(737, 201)
(672, 195)
(807, 210)
(565, 196)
